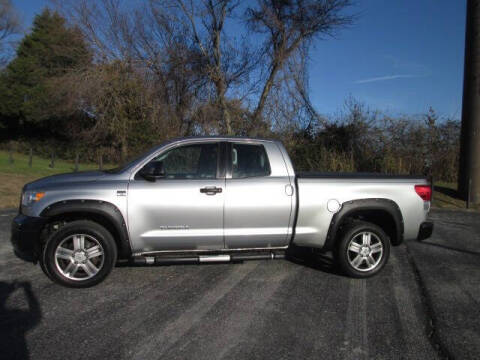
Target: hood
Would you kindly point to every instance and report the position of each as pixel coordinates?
(82, 176)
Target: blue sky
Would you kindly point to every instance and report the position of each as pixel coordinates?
(399, 57)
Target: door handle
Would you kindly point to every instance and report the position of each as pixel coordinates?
(211, 190)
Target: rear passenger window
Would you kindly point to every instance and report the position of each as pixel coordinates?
(249, 161)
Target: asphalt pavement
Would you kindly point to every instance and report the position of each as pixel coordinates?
(424, 305)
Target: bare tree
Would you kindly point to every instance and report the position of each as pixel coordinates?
(200, 70)
(147, 39)
(288, 25)
(165, 48)
(9, 25)
(224, 64)
(300, 79)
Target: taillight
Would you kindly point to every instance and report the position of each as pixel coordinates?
(424, 191)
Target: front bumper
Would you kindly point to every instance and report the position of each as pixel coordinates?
(425, 231)
(25, 236)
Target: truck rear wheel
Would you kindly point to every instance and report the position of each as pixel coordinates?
(363, 249)
(81, 254)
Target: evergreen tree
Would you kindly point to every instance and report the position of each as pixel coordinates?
(51, 50)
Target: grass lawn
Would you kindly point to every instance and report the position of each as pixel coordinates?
(14, 176)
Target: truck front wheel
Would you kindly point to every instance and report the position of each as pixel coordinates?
(363, 249)
(81, 254)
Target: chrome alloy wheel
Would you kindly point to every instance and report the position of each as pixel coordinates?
(79, 257)
(364, 251)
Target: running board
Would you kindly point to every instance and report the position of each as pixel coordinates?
(196, 259)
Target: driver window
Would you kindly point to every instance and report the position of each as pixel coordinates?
(197, 161)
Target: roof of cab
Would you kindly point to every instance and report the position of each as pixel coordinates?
(219, 138)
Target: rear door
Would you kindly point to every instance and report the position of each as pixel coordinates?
(257, 206)
(184, 209)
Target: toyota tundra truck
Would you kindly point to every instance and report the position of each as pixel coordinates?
(214, 199)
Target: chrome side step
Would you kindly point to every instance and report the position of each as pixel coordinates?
(214, 258)
(170, 260)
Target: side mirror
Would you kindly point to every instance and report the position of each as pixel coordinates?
(152, 171)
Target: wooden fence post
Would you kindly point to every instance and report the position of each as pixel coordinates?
(52, 162)
(10, 154)
(76, 161)
(30, 158)
(100, 160)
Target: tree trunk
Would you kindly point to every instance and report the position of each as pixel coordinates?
(219, 75)
(227, 122)
(124, 151)
(30, 160)
(263, 97)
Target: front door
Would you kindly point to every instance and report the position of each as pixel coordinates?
(183, 209)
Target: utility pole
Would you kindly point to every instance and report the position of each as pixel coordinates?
(469, 169)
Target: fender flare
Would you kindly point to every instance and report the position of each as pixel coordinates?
(352, 206)
(104, 209)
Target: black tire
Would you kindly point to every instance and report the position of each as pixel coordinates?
(346, 257)
(93, 232)
(41, 262)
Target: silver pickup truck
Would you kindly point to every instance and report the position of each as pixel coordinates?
(214, 199)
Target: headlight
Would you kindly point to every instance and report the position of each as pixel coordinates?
(30, 197)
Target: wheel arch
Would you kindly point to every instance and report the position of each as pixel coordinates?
(101, 212)
(385, 213)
